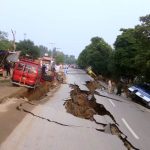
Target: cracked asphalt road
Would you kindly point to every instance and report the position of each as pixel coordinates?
(50, 127)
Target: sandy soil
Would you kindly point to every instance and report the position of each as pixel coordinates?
(9, 116)
(11, 97)
(8, 90)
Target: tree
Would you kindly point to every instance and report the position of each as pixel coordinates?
(132, 51)
(69, 59)
(130, 58)
(126, 47)
(27, 47)
(82, 60)
(54, 52)
(3, 35)
(59, 58)
(96, 55)
(43, 50)
(142, 59)
(5, 44)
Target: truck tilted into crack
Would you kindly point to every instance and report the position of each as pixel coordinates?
(28, 73)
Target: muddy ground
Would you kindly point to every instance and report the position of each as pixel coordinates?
(13, 96)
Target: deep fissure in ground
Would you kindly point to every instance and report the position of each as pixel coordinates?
(83, 104)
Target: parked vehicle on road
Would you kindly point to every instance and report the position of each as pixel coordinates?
(27, 73)
(141, 92)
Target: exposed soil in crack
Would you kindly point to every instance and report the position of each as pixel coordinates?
(108, 128)
(83, 104)
(97, 93)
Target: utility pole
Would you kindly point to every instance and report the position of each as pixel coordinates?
(14, 40)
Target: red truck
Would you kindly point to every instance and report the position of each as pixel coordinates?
(27, 73)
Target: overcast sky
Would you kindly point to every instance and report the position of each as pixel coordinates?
(70, 24)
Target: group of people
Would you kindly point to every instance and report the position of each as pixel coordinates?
(112, 86)
(54, 73)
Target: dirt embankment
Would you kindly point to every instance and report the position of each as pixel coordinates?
(11, 97)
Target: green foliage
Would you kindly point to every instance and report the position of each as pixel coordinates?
(59, 57)
(43, 50)
(96, 55)
(132, 51)
(54, 52)
(69, 59)
(5, 45)
(142, 58)
(3, 35)
(27, 47)
(82, 60)
(129, 59)
(126, 47)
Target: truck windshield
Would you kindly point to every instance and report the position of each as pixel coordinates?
(20, 66)
(30, 69)
(27, 68)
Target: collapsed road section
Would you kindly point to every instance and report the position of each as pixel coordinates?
(83, 104)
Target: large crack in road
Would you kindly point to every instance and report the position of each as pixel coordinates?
(83, 104)
(20, 107)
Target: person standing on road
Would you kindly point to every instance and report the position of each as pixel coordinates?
(7, 67)
(119, 88)
(113, 86)
(109, 86)
(43, 69)
(65, 70)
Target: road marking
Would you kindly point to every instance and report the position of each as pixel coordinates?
(112, 103)
(130, 129)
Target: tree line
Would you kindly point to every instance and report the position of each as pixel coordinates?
(130, 57)
(27, 47)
